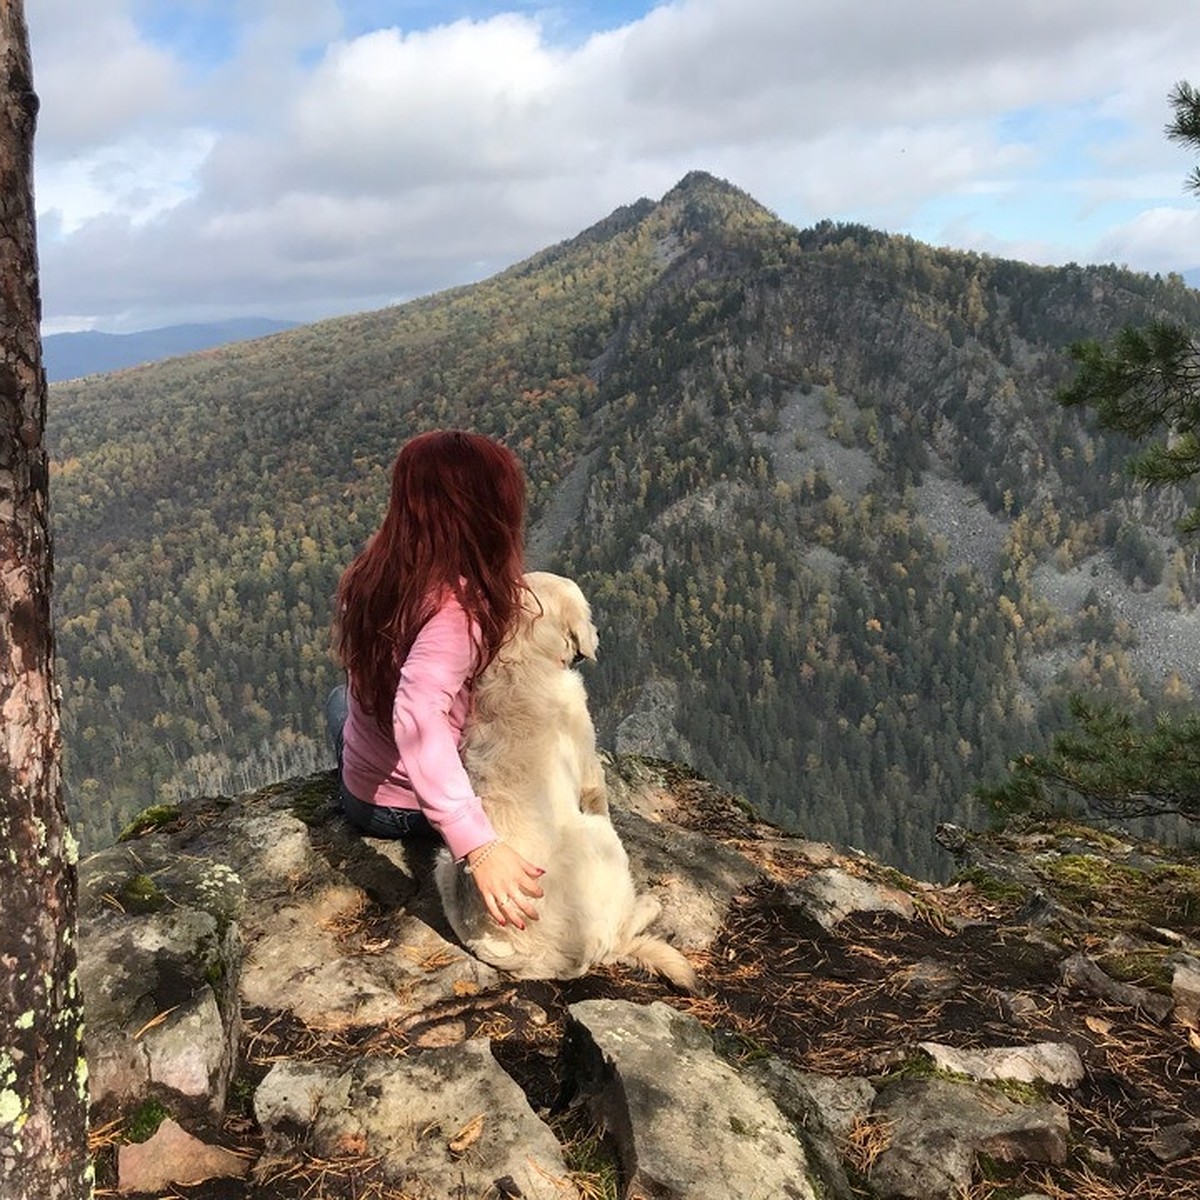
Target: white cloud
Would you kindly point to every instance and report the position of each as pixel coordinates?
(1152, 241)
(308, 167)
(140, 177)
(97, 78)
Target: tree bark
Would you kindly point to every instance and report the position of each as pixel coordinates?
(43, 1076)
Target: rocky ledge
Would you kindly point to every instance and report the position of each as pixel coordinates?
(276, 1008)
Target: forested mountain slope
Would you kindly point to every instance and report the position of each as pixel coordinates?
(846, 552)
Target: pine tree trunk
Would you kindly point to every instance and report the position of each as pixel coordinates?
(43, 1079)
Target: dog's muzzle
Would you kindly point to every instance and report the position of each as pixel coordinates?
(579, 655)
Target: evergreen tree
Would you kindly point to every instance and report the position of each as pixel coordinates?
(1116, 768)
(1146, 385)
(1146, 382)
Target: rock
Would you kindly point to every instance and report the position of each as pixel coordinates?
(1041, 911)
(171, 1156)
(1185, 990)
(298, 963)
(1081, 974)
(1017, 1007)
(445, 1122)
(162, 1015)
(687, 1124)
(841, 1102)
(1170, 1143)
(830, 895)
(936, 1128)
(951, 837)
(1043, 1062)
(649, 728)
(824, 1112)
(693, 877)
(348, 963)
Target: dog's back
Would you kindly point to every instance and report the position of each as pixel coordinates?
(530, 750)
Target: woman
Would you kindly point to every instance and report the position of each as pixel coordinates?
(421, 611)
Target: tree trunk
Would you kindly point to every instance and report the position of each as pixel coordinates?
(43, 1077)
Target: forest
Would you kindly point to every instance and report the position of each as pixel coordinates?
(681, 382)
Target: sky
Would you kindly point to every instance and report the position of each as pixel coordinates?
(201, 160)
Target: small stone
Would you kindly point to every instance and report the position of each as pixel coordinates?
(1185, 991)
(831, 895)
(1017, 1007)
(535, 1014)
(1041, 1062)
(1173, 1142)
(173, 1155)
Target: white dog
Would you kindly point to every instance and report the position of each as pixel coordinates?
(530, 750)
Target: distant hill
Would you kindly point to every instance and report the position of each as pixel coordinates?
(74, 355)
(846, 552)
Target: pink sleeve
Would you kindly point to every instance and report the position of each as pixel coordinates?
(433, 676)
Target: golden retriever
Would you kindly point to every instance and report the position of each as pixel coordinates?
(530, 750)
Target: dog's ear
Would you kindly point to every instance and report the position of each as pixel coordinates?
(560, 621)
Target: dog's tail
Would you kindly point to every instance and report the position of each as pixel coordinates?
(653, 954)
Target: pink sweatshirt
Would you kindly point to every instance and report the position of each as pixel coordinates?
(418, 765)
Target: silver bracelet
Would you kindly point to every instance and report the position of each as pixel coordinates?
(469, 866)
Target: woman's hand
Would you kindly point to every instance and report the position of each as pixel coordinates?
(507, 883)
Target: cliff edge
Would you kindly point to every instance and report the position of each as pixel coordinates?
(276, 1008)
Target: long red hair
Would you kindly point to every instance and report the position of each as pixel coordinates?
(454, 525)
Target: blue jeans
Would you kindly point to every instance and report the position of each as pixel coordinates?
(371, 820)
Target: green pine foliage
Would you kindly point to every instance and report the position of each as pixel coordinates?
(1142, 384)
(1146, 381)
(1111, 765)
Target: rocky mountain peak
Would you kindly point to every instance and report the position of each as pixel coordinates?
(277, 1005)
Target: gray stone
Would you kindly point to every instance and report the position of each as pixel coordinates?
(1080, 974)
(649, 727)
(929, 978)
(1040, 1062)
(269, 851)
(693, 877)
(1185, 990)
(830, 895)
(841, 1101)
(297, 963)
(1017, 1007)
(823, 1110)
(936, 1128)
(686, 1123)
(1169, 1143)
(444, 1122)
(161, 1008)
(150, 876)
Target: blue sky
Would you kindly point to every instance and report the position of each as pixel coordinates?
(204, 159)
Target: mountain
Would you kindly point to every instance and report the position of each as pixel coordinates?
(846, 552)
(73, 355)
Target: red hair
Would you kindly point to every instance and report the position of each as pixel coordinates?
(453, 526)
